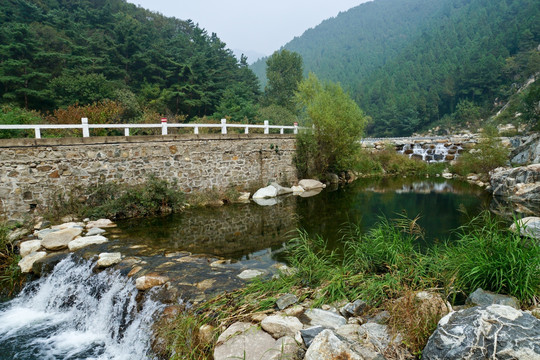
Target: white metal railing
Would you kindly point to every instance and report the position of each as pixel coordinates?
(85, 127)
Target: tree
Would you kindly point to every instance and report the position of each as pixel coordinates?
(284, 73)
(338, 124)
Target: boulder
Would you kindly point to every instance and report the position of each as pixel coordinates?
(517, 184)
(310, 184)
(28, 261)
(149, 281)
(279, 326)
(95, 231)
(108, 259)
(247, 341)
(310, 193)
(281, 190)
(326, 319)
(310, 333)
(46, 265)
(485, 332)
(81, 242)
(266, 202)
(68, 225)
(297, 189)
(526, 151)
(265, 192)
(377, 336)
(28, 247)
(328, 345)
(250, 274)
(17, 234)
(485, 298)
(101, 223)
(60, 239)
(332, 178)
(243, 197)
(40, 234)
(356, 308)
(286, 300)
(528, 226)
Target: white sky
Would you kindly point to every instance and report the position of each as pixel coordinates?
(249, 25)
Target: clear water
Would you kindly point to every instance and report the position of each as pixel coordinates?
(75, 313)
(246, 231)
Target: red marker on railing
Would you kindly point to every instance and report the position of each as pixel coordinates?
(163, 126)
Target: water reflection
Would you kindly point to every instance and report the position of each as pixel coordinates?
(249, 230)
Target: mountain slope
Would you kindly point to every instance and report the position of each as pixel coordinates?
(408, 63)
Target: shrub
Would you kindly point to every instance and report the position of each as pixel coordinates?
(338, 124)
(488, 154)
(13, 115)
(10, 274)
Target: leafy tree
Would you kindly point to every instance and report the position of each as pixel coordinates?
(284, 73)
(338, 124)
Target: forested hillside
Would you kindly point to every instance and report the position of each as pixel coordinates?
(58, 53)
(411, 63)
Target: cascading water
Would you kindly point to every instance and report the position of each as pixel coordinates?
(75, 313)
(432, 152)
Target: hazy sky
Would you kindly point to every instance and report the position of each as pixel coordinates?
(250, 25)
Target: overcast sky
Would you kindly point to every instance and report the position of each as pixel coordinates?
(249, 25)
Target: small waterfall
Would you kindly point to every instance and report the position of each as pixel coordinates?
(431, 152)
(74, 313)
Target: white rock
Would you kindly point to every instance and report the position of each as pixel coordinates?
(281, 190)
(250, 274)
(279, 326)
(265, 202)
(328, 345)
(95, 231)
(326, 319)
(59, 240)
(297, 189)
(377, 335)
(310, 184)
(266, 192)
(81, 242)
(243, 197)
(108, 259)
(447, 175)
(26, 263)
(101, 223)
(28, 247)
(68, 225)
(528, 226)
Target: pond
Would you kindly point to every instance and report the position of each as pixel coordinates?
(246, 231)
(76, 312)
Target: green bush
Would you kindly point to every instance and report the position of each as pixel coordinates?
(488, 154)
(338, 124)
(13, 115)
(10, 274)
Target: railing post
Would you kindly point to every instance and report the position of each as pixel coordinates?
(196, 131)
(266, 129)
(38, 132)
(163, 126)
(224, 126)
(281, 130)
(126, 131)
(246, 130)
(85, 129)
(295, 127)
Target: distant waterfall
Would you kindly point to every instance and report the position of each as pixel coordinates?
(432, 152)
(74, 313)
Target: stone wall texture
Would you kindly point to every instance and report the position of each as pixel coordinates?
(32, 171)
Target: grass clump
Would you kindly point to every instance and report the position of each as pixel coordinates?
(116, 201)
(491, 257)
(11, 278)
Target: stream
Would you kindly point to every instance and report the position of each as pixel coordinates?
(75, 312)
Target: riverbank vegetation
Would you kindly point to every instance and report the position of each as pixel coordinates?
(378, 267)
(11, 279)
(117, 201)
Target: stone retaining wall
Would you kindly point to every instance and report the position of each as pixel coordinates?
(33, 170)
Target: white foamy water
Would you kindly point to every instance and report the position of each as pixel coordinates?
(74, 313)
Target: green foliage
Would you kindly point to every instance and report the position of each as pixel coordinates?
(58, 54)
(487, 155)
(13, 115)
(489, 256)
(467, 111)
(10, 274)
(277, 115)
(284, 73)
(338, 125)
(427, 58)
(117, 201)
